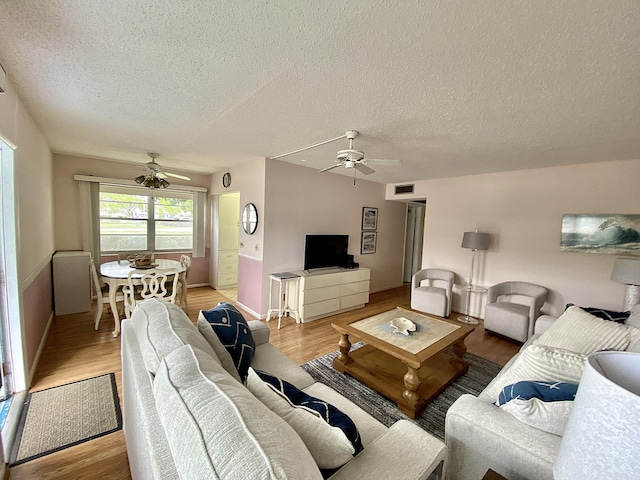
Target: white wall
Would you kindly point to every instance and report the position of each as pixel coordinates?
(299, 201)
(523, 212)
(33, 175)
(31, 306)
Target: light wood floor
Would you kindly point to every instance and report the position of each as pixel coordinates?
(75, 351)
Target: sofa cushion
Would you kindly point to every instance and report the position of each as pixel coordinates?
(223, 355)
(611, 315)
(217, 429)
(581, 332)
(234, 333)
(542, 363)
(542, 405)
(161, 328)
(329, 434)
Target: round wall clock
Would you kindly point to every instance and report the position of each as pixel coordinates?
(226, 180)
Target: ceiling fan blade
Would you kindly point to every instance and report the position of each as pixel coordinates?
(174, 175)
(330, 168)
(384, 161)
(362, 168)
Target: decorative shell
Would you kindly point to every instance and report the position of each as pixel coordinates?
(402, 325)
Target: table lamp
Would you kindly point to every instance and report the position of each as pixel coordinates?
(627, 271)
(474, 241)
(602, 438)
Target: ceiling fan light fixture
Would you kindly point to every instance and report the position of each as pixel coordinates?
(140, 179)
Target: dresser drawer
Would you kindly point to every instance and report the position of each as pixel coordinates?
(357, 287)
(230, 256)
(320, 294)
(353, 300)
(227, 268)
(227, 278)
(320, 308)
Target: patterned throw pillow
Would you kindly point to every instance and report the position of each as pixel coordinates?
(234, 333)
(329, 434)
(546, 391)
(542, 405)
(618, 317)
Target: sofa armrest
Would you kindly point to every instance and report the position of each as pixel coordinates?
(480, 435)
(404, 451)
(259, 331)
(543, 323)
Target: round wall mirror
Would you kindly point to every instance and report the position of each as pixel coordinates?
(249, 218)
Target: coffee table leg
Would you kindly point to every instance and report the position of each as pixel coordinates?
(459, 349)
(411, 384)
(343, 359)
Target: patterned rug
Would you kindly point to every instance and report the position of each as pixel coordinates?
(480, 373)
(60, 417)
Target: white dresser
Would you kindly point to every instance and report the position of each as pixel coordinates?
(327, 292)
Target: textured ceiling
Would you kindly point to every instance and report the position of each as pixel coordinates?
(449, 87)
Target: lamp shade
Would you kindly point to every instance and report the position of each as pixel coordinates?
(602, 438)
(475, 240)
(627, 271)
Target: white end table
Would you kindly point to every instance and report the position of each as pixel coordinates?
(286, 283)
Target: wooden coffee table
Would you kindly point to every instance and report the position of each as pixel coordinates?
(409, 370)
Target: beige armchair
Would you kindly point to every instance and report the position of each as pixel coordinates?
(509, 318)
(434, 296)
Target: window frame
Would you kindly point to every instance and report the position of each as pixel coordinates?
(151, 220)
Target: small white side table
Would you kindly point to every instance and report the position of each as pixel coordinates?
(287, 282)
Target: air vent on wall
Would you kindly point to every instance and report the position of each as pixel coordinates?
(400, 189)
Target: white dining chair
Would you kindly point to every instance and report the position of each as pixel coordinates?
(185, 261)
(102, 294)
(146, 284)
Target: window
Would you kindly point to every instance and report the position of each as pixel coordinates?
(134, 219)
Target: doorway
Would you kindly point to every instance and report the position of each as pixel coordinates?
(414, 235)
(228, 231)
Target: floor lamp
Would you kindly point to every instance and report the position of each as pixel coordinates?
(474, 241)
(627, 271)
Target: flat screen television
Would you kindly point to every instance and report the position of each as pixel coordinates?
(322, 251)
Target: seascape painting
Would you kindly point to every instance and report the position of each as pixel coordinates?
(601, 233)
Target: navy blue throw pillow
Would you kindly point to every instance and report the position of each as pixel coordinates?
(545, 391)
(234, 333)
(618, 317)
(328, 412)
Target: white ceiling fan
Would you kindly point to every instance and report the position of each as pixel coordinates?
(156, 176)
(348, 158)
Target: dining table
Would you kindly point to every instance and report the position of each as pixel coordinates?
(116, 275)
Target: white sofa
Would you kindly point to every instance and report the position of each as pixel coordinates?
(480, 435)
(181, 411)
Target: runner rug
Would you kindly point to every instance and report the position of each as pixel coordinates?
(480, 373)
(60, 417)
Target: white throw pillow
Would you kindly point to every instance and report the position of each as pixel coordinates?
(550, 417)
(539, 362)
(328, 444)
(581, 332)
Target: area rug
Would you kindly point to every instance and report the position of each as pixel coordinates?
(480, 373)
(60, 417)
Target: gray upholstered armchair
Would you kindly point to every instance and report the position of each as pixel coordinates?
(513, 320)
(435, 296)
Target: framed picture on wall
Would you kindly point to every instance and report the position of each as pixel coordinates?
(369, 218)
(369, 240)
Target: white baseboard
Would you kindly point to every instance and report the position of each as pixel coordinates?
(248, 310)
(39, 352)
